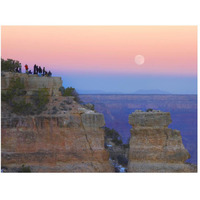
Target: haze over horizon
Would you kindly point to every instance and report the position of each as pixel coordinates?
(103, 58)
(129, 84)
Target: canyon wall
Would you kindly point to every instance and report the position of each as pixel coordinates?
(64, 138)
(154, 147)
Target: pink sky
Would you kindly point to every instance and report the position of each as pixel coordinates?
(168, 50)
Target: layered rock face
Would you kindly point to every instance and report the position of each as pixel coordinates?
(64, 138)
(154, 147)
(32, 82)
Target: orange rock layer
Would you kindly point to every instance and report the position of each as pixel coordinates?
(154, 147)
(65, 138)
(53, 144)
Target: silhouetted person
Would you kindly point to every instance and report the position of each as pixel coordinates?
(30, 72)
(37, 69)
(49, 73)
(43, 71)
(26, 68)
(40, 71)
(34, 69)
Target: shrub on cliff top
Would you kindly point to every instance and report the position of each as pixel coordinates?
(9, 65)
(70, 91)
(149, 110)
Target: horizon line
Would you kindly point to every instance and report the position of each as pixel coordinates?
(131, 94)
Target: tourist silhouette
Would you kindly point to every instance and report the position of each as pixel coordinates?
(34, 69)
(49, 74)
(43, 71)
(26, 68)
(40, 71)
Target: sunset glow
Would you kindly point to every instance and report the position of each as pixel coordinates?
(168, 50)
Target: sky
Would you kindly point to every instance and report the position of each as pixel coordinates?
(101, 59)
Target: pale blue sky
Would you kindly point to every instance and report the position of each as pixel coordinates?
(129, 83)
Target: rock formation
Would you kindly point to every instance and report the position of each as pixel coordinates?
(64, 138)
(32, 82)
(153, 146)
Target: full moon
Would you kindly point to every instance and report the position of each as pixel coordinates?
(139, 59)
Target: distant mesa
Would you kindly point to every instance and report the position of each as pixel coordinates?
(151, 92)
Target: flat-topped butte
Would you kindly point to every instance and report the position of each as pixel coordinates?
(154, 147)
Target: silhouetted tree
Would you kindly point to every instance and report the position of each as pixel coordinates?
(9, 65)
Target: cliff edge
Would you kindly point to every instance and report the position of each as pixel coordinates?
(65, 137)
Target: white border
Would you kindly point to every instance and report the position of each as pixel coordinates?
(100, 186)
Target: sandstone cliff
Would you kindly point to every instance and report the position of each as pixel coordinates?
(32, 82)
(64, 138)
(154, 147)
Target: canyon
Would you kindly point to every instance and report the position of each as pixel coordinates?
(68, 136)
(117, 108)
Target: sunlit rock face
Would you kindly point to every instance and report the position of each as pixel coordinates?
(32, 82)
(64, 138)
(153, 146)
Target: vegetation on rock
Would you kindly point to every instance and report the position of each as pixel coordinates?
(70, 91)
(118, 150)
(16, 99)
(40, 99)
(16, 88)
(89, 106)
(114, 135)
(122, 160)
(25, 169)
(9, 65)
(22, 107)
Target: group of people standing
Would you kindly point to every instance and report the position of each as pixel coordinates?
(37, 70)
